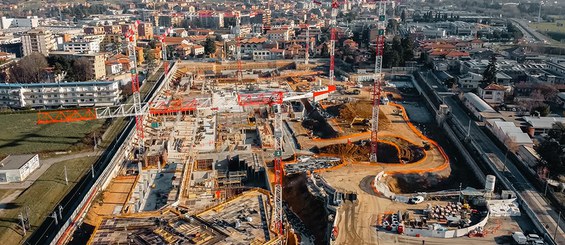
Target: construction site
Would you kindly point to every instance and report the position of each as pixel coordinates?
(214, 148)
(277, 152)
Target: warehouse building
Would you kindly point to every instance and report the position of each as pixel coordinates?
(16, 168)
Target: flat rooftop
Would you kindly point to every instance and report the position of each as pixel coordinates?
(13, 162)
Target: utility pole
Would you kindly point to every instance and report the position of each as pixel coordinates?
(54, 216)
(539, 12)
(92, 170)
(545, 191)
(95, 142)
(60, 212)
(66, 177)
(460, 192)
(469, 130)
(557, 226)
(23, 223)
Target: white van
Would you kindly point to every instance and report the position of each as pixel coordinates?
(519, 237)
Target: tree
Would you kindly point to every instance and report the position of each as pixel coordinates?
(403, 16)
(542, 109)
(557, 132)
(59, 63)
(30, 69)
(551, 151)
(209, 46)
(489, 75)
(81, 70)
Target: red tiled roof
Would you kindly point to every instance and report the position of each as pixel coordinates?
(457, 54)
(494, 86)
(255, 40)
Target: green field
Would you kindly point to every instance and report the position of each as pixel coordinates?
(557, 26)
(555, 30)
(41, 197)
(20, 134)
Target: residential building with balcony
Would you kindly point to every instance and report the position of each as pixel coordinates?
(38, 40)
(84, 44)
(64, 94)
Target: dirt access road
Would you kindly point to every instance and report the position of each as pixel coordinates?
(356, 221)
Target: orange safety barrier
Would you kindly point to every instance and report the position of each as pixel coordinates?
(70, 115)
(441, 167)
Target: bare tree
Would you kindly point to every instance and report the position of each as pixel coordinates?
(81, 69)
(30, 69)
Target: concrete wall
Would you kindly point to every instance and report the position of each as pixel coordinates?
(381, 187)
(446, 233)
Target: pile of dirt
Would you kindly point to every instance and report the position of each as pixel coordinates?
(360, 152)
(360, 109)
(408, 152)
(351, 110)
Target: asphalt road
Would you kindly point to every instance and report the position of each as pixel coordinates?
(530, 34)
(547, 216)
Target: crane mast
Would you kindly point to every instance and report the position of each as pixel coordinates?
(137, 107)
(333, 24)
(239, 73)
(377, 79)
(307, 54)
(275, 101)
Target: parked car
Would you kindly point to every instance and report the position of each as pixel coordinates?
(534, 239)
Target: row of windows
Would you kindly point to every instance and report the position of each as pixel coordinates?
(57, 90)
(67, 95)
(68, 101)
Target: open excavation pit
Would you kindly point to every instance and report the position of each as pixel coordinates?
(353, 117)
(391, 150)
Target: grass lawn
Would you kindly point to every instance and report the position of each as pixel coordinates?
(20, 134)
(6, 192)
(41, 197)
(555, 30)
(557, 26)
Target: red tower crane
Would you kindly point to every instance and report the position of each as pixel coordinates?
(164, 48)
(333, 34)
(376, 93)
(275, 100)
(137, 108)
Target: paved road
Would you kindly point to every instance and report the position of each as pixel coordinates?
(530, 34)
(533, 198)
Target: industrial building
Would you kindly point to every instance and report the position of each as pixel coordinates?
(16, 168)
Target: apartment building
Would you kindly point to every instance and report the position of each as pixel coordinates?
(211, 19)
(84, 44)
(38, 40)
(65, 94)
(29, 21)
(278, 35)
(93, 30)
(145, 31)
(97, 61)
